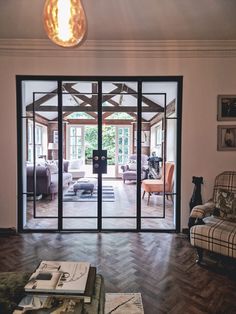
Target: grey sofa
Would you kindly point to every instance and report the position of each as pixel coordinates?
(46, 182)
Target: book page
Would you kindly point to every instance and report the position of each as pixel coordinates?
(59, 277)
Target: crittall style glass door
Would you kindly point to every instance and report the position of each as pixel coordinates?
(99, 153)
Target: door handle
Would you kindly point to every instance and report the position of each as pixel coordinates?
(99, 161)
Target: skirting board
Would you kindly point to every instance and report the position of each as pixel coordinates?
(185, 230)
(7, 231)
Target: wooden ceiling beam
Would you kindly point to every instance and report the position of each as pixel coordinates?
(92, 109)
(145, 100)
(94, 122)
(41, 100)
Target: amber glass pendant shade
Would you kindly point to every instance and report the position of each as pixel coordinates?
(65, 22)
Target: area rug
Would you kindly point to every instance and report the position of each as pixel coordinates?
(124, 303)
(108, 195)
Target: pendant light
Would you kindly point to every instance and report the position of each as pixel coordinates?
(65, 22)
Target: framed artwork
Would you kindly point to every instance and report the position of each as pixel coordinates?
(226, 138)
(145, 138)
(226, 108)
(55, 137)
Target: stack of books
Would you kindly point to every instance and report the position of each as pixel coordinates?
(58, 287)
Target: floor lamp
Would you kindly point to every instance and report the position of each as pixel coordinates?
(52, 147)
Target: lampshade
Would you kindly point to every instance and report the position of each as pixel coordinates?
(52, 146)
(65, 22)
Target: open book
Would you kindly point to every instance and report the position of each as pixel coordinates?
(59, 278)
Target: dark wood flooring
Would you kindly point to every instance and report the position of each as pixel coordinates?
(159, 265)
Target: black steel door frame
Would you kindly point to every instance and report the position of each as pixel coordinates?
(99, 79)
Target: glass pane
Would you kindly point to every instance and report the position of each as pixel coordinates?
(119, 87)
(82, 87)
(72, 141)
(37, 133)
(78, 131)
(116, 223)
(158, 143)
(80, 195)
(80, 223)
(72, 131)
(155, 91)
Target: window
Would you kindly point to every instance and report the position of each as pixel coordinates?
(38, 141)
(75, 142)
(158, 136)
(123, 144)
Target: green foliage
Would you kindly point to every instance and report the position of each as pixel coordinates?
(108, 142)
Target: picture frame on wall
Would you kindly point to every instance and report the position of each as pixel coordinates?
(145, 138)
(226, 108)
(55, 137)
(226, 138)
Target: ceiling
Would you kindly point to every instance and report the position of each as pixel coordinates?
(130, 19)
(77, 96)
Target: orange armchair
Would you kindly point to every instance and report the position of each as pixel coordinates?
(157, 186)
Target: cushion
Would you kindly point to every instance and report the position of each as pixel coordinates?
(75, 163)
(132, 166)
(225, 204)
(52, 166)
(40, 162)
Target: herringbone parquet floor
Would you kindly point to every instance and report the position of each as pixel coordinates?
(159, 265)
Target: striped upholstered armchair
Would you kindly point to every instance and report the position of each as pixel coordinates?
(215, 228)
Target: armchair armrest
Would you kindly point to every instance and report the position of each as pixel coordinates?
(124, 168)
(201, 211)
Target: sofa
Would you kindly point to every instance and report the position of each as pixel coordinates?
(47, 178)
(213, 224)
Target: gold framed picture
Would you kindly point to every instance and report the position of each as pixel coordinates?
(226, 138)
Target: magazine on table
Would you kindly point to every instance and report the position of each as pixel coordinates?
(59, 278)
(49, 305)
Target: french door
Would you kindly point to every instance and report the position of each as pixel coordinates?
(88, 146)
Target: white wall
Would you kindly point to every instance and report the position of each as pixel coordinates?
(204, 79)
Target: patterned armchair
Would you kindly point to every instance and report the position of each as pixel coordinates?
(215, 228)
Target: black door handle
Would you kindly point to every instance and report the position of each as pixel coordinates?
(99, 161)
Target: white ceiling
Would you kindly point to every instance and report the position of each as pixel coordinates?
(130, 19)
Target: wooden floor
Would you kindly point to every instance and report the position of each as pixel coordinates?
(124, 205)
(159, 265)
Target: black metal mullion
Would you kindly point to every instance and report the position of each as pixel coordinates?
(164, 159)
(99, 117)
(139, 150)
(34, 160)
(178, 153)
(19, 155)
(60, 156)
